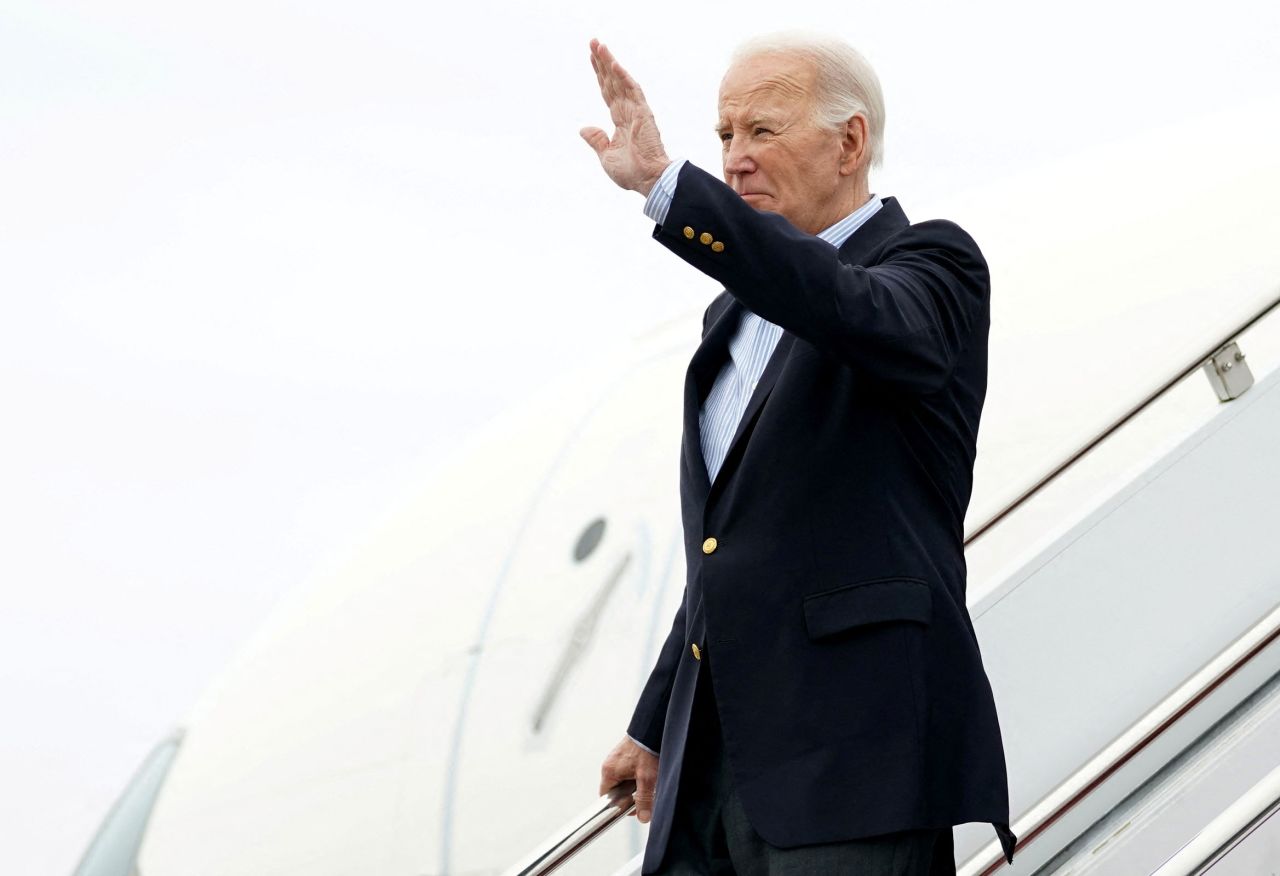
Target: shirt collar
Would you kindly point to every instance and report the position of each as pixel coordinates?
(842, 230)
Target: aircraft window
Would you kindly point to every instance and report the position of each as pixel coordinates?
(589, 540)
(114, 850)
(1257, 852)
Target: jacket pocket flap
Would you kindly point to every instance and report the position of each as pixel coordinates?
(867, 602)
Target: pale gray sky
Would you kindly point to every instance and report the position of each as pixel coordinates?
(264, 265)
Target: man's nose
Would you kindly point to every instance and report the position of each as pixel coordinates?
(737, 159)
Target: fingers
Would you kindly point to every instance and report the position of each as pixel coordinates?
(623, 83)
(607, 82)
(616, 84)
(630, 761)
(595, 65)
(604, 76)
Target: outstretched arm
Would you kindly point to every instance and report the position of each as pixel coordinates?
(905, 320)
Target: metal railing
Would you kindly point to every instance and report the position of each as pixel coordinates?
(615, 805)
(1168, 384)
(1256, 643)
(1234, 826)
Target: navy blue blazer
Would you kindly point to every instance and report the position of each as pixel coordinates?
(850, 687)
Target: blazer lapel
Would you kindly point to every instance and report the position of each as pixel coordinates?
(698, 380)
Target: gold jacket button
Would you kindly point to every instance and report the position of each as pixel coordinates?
(697, 655)
(706, 237)
(717, 247)
(688, 232)
(709, 546)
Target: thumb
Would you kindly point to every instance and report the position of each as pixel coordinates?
(596, 139)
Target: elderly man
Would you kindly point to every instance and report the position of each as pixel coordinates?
(820, 704)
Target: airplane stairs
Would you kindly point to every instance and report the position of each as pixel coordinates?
(1134, 650)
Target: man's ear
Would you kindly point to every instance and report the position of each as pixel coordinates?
(855, 147)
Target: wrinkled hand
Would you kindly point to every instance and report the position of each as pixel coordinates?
(630, 761)
(633, 158)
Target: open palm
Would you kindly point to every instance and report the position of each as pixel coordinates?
(633, 157)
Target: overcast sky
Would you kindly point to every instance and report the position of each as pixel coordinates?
(265, 265)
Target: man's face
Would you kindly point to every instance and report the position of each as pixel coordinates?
(774, 156)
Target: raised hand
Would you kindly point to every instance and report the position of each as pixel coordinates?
(633, 157)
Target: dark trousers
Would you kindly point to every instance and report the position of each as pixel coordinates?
(710, 834)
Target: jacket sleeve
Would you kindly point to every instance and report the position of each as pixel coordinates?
(904, 320)
(651, 711)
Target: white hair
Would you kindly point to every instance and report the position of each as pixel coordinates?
(846, 83)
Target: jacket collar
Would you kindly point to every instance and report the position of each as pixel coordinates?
(888, 219)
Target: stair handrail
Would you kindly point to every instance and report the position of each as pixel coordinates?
(618, 802)
(1182, 373)
(1232, 826)
(577, 832)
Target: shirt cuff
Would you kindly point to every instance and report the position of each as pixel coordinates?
(632, 738)
(658, 204)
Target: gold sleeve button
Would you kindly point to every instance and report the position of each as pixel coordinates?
(697, 655)
(709, 546)
(705, 237)
(688, 232)
(717, 247)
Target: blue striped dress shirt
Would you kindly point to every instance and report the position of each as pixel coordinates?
(749, 349)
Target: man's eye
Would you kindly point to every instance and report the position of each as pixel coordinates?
(760, 131)
(726, 136)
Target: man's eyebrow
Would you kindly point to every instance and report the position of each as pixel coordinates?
(767, 121)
